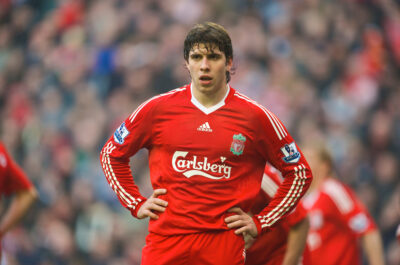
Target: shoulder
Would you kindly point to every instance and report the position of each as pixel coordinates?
(176, 93)
(2, 148)
(3, 156)
(263, 115)
(248, 102)
(252, 105)
(269, 184)
(270, 181)
(340, 195)
(157, 101)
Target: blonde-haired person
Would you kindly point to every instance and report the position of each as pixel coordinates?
(340, 225)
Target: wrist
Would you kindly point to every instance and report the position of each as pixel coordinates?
(261, 230)
(135, 210)
(258, 224)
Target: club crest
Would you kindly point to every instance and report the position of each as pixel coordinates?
(237, 145)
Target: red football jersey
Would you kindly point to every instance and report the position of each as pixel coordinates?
(270, 248)
(337, 220)
(398, 233)
(12, 178)
(208, 159)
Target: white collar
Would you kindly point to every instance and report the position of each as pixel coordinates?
(212, 108)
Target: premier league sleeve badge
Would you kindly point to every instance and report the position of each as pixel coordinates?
(120, 134)
(291, 155)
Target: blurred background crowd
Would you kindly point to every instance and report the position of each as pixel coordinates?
(71, 71)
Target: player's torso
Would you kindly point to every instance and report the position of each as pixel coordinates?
(208, 161)
(329, 233)
(197, 148)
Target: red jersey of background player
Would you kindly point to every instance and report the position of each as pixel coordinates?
(337, 220)
(208, 159)
(270, 248)
(12, 178)
(398, 233)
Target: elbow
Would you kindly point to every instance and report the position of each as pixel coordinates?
(104, 151)
(309, 174)
(32, 195)
(303, 224)
(306, 224)
(27, 197)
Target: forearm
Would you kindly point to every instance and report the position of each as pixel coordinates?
(288, 195)
(18, 207)
(296, 243)
(119, 176)
(372, 244)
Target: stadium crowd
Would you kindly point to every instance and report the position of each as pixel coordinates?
(69, 69)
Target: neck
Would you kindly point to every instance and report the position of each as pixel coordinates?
(317, 182)
(209, 98)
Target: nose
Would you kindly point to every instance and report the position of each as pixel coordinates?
(205, 66)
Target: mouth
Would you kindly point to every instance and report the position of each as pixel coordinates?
(205, 80)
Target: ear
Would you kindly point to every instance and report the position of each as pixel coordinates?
(229, 64)
(187, 65)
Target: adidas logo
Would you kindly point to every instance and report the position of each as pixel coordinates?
(205, 127)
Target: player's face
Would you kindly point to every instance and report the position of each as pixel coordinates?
(207, 66)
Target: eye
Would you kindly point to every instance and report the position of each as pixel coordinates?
(214, 56)
(195, 56)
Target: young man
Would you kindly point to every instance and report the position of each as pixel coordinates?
(13, 181)
(208, 145)
(338, 220)
(285, 243)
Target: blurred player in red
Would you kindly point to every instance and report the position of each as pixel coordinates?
(13, 181)
(208, 146)
(339, 223)
(285, 243)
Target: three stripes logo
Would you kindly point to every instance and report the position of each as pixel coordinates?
(205, 127)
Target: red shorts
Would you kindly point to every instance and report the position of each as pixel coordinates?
(208, 248)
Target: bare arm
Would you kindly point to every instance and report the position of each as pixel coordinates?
(18, 207)
(296, 242)
(372, 245)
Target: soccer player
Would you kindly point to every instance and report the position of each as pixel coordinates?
(338, 220)
(208, 146)
(13, 181)
(285, 243)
